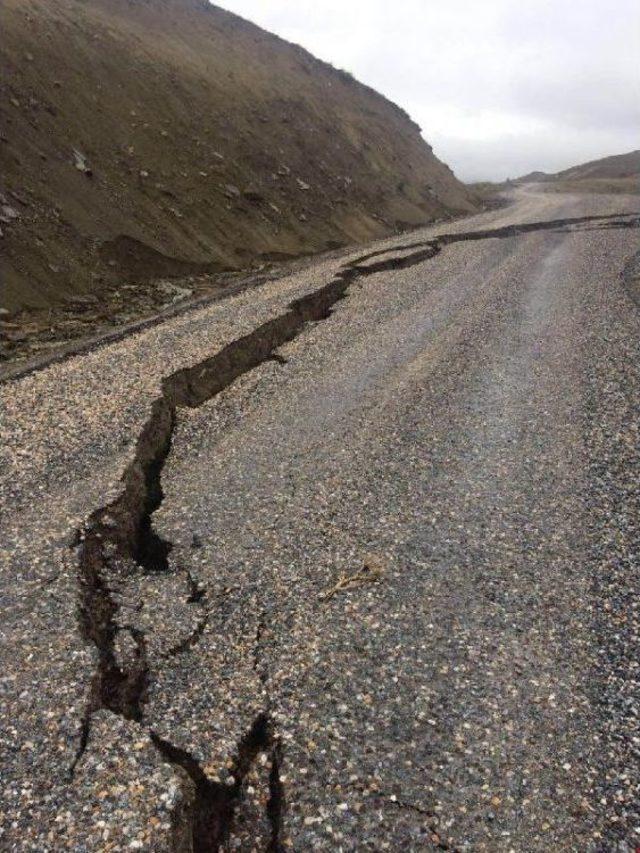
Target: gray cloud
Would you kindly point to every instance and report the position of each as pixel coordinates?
(499, 87)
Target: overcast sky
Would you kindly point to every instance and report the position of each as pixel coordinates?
(499, 87)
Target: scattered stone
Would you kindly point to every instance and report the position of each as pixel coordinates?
(8, 214)
(231, 191)
(303, 184)
(80, 162)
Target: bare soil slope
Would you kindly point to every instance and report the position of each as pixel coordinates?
(617, 166)
(617, 174)
(155, 138)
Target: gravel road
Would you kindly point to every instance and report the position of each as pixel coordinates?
(345, 562)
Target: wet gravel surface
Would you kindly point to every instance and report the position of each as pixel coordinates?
(409, 546)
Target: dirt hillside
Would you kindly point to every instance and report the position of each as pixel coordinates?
(157, 138)
(618, 166)
(619, 173)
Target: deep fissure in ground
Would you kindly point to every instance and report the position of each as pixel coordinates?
(119, 540)
(214, 802)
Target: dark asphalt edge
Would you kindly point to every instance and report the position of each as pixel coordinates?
(82, 346)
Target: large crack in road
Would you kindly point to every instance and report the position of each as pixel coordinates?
(119, 540)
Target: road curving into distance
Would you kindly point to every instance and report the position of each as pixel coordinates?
(345, 562)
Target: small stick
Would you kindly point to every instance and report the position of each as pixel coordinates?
(371, 572)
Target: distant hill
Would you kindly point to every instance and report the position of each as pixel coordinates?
(617, 174)
(533, 177)
(165, 137)
(617, 166)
